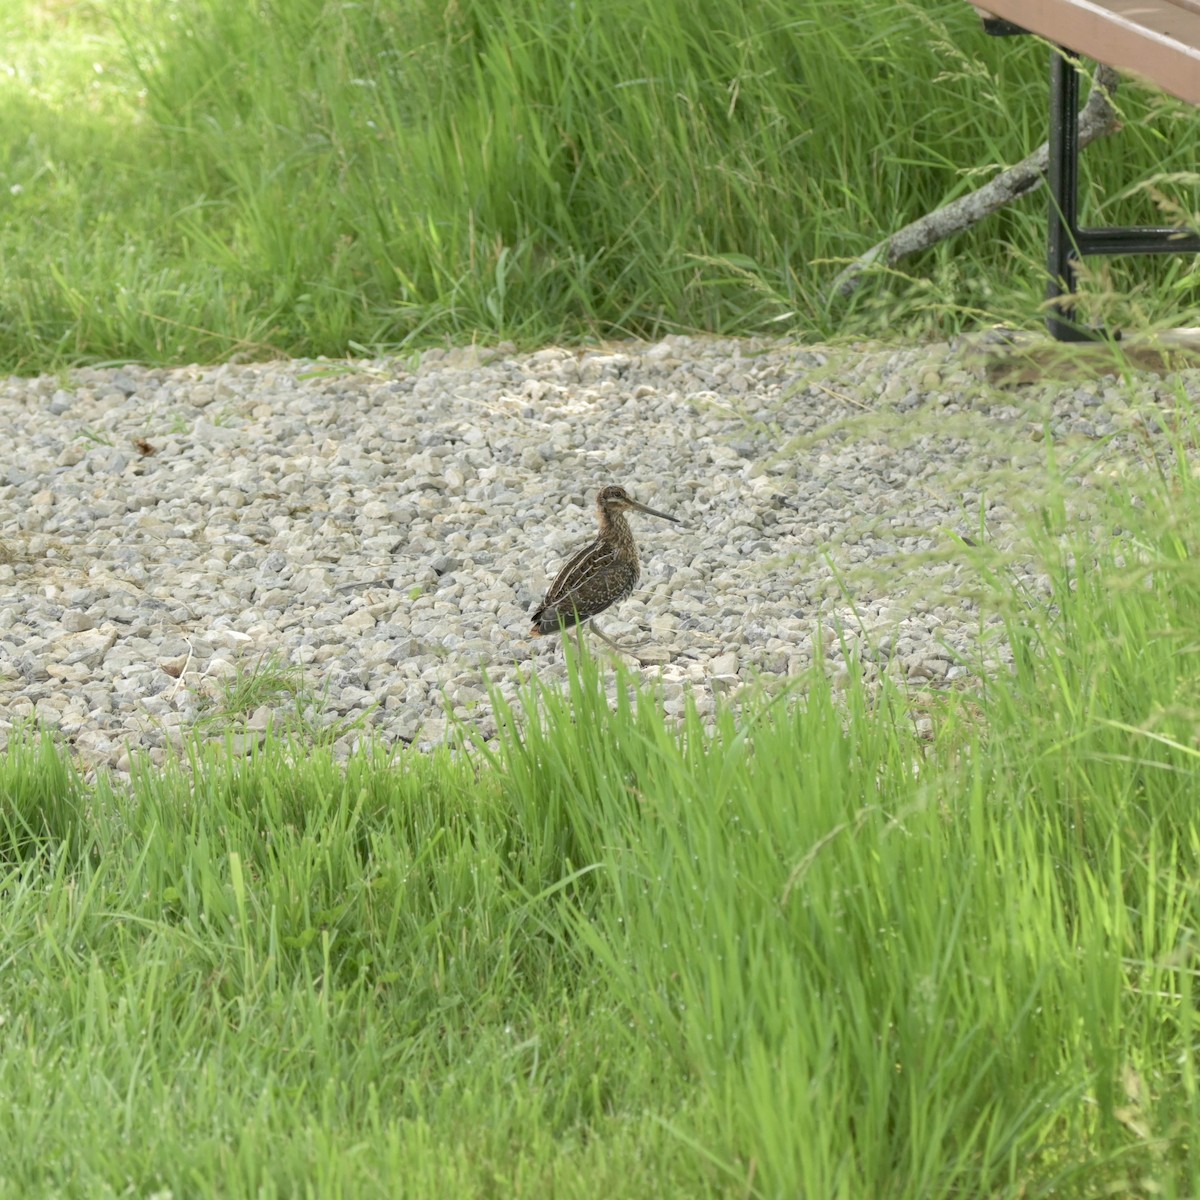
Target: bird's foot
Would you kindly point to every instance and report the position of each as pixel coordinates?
(647, 655)
(605, 638)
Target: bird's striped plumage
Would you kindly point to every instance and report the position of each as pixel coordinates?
(601, 574)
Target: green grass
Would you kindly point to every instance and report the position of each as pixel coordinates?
(210, 178)
(279, 690)
(813, 951)
(805, 952)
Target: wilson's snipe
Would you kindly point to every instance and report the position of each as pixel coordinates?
(599, 575)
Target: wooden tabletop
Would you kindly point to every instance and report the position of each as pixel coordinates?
(1156, 39)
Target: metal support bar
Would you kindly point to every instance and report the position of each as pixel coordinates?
(999, 27)
(1062, 177)
(1066, 243)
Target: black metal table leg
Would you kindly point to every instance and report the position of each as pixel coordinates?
(1062, 247)
(1066, 242)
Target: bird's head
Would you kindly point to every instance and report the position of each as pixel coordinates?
(615, 499)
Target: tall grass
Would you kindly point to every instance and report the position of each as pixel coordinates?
(212, 178)
(807, 952)
(893, 970)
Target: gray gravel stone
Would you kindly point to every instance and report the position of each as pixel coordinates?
(383, 527)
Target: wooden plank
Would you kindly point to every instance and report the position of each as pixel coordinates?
(1157, 39)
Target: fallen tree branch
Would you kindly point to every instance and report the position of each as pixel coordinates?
(1097, 118)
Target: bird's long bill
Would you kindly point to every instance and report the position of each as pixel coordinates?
(653, 511)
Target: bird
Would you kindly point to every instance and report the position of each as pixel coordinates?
(601, 574)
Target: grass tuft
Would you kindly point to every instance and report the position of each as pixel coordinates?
(43, 801)
(531, 172)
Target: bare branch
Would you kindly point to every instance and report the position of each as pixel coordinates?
(1097, 118)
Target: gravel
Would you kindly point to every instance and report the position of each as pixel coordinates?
(386, 526)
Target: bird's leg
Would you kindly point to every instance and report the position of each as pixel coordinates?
(605, 638)
(575, 631)
(645, 654)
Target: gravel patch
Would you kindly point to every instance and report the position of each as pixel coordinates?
(386, 526)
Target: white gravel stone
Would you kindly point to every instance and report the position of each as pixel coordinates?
(385, 528)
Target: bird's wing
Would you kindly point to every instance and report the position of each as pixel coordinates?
(593, 559)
